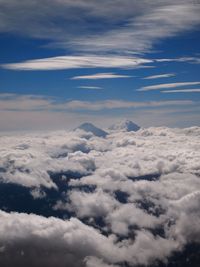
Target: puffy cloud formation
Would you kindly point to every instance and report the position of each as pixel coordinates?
(128, 199)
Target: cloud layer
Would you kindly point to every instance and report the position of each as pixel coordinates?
(30, 102)
(33, 112)
(130, 198)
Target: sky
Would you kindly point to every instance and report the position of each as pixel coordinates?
(64, 62)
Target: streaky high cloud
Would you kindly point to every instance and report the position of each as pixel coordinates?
(72, 62)
(182, 91)
(140, 24)
(159, 22)
(166, 85)
(195, 60)
(167, 75)
(90, 87)
(100, 76)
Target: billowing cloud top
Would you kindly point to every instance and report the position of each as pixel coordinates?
(128, 199)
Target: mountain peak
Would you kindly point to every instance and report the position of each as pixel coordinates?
(89, 127)
(125, 125)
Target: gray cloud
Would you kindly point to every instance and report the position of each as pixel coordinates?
(38, 240)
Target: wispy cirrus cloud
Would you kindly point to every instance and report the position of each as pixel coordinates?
(98, 76)
(182, 91)
(73, 62)
(117, 27)
(90, 87)
(166, 86)
(153, 24)
(194, 60)
(160, 76)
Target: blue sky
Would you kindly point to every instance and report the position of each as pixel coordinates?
(63, 62)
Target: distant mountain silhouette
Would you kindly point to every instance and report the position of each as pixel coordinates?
(125, 125)
(89, 127)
